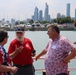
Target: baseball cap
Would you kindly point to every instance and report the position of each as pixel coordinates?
(19, 29)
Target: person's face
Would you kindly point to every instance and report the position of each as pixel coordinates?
(50, 32)
(20, 36)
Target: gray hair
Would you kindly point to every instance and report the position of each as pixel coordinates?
(55, 27)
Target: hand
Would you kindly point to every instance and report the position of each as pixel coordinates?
(65, 61)
(33, 54)
(37, 57)
(14, 69)
(74, 43)
(18, 49)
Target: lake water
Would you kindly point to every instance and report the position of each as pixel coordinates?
(40, 40)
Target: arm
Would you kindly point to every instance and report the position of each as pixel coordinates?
(70, 56)
(33, 53)
(74, 43)
(16, 52)
(4, 68)
(41, 54)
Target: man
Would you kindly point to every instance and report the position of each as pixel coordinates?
(57, 57)
(21, 50)
(5, 61)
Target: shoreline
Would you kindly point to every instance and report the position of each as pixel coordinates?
(38, 29)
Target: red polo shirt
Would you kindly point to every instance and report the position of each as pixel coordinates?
(24, 57)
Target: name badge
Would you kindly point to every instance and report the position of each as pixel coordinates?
(53, 47)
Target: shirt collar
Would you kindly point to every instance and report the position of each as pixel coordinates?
(57, 38)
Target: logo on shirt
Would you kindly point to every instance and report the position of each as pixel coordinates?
(28, 46)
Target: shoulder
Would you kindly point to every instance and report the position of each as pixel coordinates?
(27, 40)
(13, 41)
(1, 57)
(50, 40)
(64, 39)
(1, 53)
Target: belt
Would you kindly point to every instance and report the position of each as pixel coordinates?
(25, 66)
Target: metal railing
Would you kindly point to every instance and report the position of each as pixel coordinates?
(41, 69)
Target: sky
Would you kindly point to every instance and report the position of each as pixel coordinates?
(23, 9)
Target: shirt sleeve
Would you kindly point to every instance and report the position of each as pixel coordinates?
(31, 45)
(67, 46)
(1, 60)
(46, 48)
(48, 45)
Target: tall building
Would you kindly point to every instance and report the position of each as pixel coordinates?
(40, 15)
(46, 15)
(58, 15)
(36, 14)
(13, 21)
(75, 14)
(62, 16)
(68, 10)
(33, 17)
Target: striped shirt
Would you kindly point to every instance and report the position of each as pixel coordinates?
(4, 60)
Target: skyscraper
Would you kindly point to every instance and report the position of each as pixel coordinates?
(58, 15)
(75, 14)
(36, 14)
(40, 15)
(33, 17)
(46, 15)
(68, 10)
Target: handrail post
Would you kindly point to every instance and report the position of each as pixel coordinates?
(44, 72)
(68, 71)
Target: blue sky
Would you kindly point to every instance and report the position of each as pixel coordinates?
(22, 9)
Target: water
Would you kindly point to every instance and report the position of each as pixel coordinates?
(40, 40)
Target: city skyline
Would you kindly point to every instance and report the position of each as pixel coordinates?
(23, 9)
(38, 14)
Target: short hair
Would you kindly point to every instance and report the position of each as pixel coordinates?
(54, 27)
(3, 34)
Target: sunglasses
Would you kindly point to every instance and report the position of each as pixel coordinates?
(19, 29)
(19, 32)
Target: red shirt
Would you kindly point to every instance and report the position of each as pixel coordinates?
(24, 57)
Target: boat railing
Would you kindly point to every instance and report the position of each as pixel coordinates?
(43, 70)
